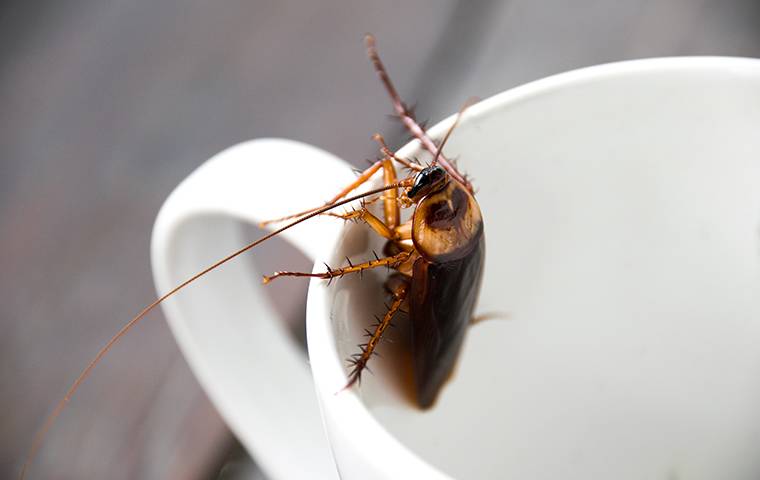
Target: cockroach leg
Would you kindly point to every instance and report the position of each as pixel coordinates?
(407, 118)
(358, 361)
(390, 262)
(362, 178)
(411, 165)
(390, 197)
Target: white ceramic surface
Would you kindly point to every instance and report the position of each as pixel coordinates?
(622, 210)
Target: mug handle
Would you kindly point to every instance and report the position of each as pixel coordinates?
(252, 369)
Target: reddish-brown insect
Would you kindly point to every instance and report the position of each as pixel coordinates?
(437, 257)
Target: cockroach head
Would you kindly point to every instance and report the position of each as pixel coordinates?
(427, 181)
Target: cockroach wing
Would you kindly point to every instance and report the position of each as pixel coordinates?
(441, 305)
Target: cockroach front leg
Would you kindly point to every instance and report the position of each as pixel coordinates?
(389, 196)
(359, 360)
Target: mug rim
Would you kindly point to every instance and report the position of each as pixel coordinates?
(326, 364)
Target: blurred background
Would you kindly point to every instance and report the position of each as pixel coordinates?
(108, 104)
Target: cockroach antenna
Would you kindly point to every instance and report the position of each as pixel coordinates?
(50, 421)
(466, 105)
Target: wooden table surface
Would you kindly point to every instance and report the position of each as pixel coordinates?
(108, 104)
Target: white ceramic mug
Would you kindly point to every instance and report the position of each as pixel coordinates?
(622, 217)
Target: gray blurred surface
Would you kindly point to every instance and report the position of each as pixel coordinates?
(107, 105)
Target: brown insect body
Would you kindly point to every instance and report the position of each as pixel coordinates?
(448, 233)
(438, 255)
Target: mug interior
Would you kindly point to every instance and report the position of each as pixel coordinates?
(622, 219)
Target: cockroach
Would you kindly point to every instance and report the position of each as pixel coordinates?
(436, 256)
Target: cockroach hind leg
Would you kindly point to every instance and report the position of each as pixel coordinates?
(402, 111)
(358, 361)
(355, 375)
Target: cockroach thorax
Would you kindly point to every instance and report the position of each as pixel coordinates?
(447, 224)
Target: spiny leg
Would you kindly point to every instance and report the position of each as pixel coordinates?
(397, 232)
(390, 197)
(401, 109)
(411, 165)
(406, 116)
(359, 360)
(389, 176)
(391, 262)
